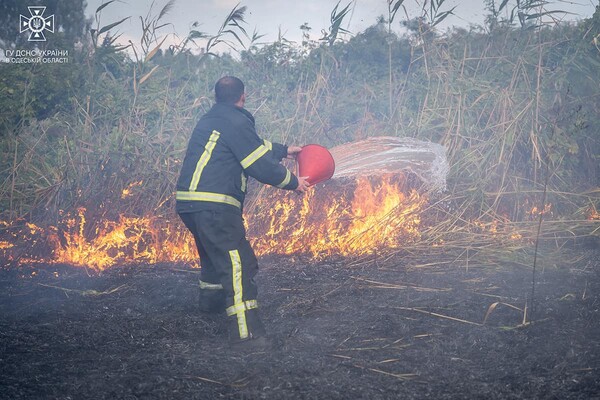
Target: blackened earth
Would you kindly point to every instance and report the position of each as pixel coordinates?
(399, 328)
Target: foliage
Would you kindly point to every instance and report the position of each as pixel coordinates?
(510, 104)
(336, 20)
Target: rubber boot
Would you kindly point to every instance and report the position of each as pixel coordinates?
(256, 340)
(255, 324)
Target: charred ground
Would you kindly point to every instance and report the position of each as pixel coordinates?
(346, 329)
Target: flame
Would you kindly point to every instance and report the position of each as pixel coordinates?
(375, 215)
(354, 217)
(4, 245)
(516, 236)
(498, 227)
(33, 229)
(128, 191)
(536, 212)
(127, 240)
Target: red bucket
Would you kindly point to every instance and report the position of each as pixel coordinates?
(316, 163)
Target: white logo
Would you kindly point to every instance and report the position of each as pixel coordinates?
(37, 24)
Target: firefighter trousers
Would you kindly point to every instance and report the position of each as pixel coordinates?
(228, 268)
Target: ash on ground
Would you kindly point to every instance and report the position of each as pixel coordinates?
(378, 328)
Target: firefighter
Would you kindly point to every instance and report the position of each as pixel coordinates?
(223, 151)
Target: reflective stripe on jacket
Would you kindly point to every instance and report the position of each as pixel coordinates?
(223, 151)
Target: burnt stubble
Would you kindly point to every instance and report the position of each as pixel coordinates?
(342, 329)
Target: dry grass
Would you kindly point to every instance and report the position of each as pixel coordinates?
(498, 106)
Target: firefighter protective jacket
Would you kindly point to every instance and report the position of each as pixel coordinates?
(223, 151)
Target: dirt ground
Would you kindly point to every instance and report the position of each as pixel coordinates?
(351, 329)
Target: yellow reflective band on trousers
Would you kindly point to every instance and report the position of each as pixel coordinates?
(236, 273)
(255, 155)
(286, 180)
(245, 306)
(208, 196)
(203, 160)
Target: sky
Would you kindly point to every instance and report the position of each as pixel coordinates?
(269, 17)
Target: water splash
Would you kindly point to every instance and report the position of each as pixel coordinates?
(388, 155)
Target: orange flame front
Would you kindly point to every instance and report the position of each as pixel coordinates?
(128, 240)
(352, 217)
(376, 214)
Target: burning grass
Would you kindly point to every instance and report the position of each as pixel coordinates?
(385, 198)
(99, 244)
(374, 205)
(346, 218)
(349, 218)
(342, 219)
